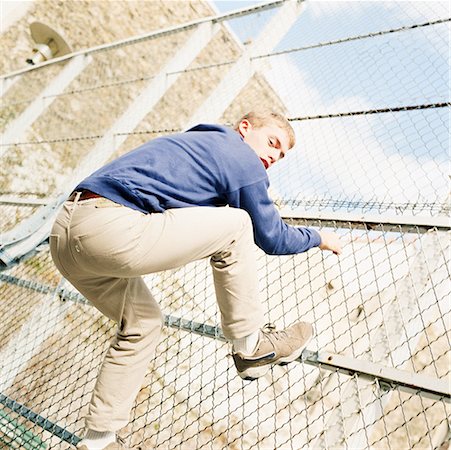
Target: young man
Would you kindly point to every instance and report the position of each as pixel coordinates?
(176, 199)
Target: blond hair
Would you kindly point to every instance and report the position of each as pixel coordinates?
(259, 119)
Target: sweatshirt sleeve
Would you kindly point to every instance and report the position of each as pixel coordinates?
(271, 233)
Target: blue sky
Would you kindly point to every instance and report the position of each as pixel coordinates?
(397, 157)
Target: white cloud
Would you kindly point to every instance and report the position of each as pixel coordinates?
(344, 158)
(420, 11)
(303, 98)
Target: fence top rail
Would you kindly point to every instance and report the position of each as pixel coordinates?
(370, 220)
(152, 35)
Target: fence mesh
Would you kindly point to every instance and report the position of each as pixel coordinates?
(366, 87)
(382, 303)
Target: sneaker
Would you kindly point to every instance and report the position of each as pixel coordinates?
(118, 445)
(274, 347)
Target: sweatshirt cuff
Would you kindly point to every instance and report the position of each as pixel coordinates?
(316, 238)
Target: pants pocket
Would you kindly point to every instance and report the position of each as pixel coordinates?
(105, 203)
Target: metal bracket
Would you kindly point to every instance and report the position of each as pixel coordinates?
(387, 378)
(39, 420)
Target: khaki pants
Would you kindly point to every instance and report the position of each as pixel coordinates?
(103, 248)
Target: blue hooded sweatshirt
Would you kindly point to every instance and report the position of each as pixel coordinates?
(208, 165)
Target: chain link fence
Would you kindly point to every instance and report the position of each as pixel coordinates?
(385, 304)
(366, 87)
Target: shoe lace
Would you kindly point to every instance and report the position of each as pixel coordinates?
(269, 330)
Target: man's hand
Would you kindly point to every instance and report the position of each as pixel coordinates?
(330, 241)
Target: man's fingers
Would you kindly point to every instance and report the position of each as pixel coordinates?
(330, 241)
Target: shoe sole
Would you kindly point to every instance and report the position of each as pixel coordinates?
(253, 373)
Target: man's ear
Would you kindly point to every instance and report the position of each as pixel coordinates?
(244, 127)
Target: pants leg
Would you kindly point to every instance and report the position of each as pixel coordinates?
(103, 251)
(128, 302)
(224, 235)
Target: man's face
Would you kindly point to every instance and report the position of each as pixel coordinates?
(270, 142)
